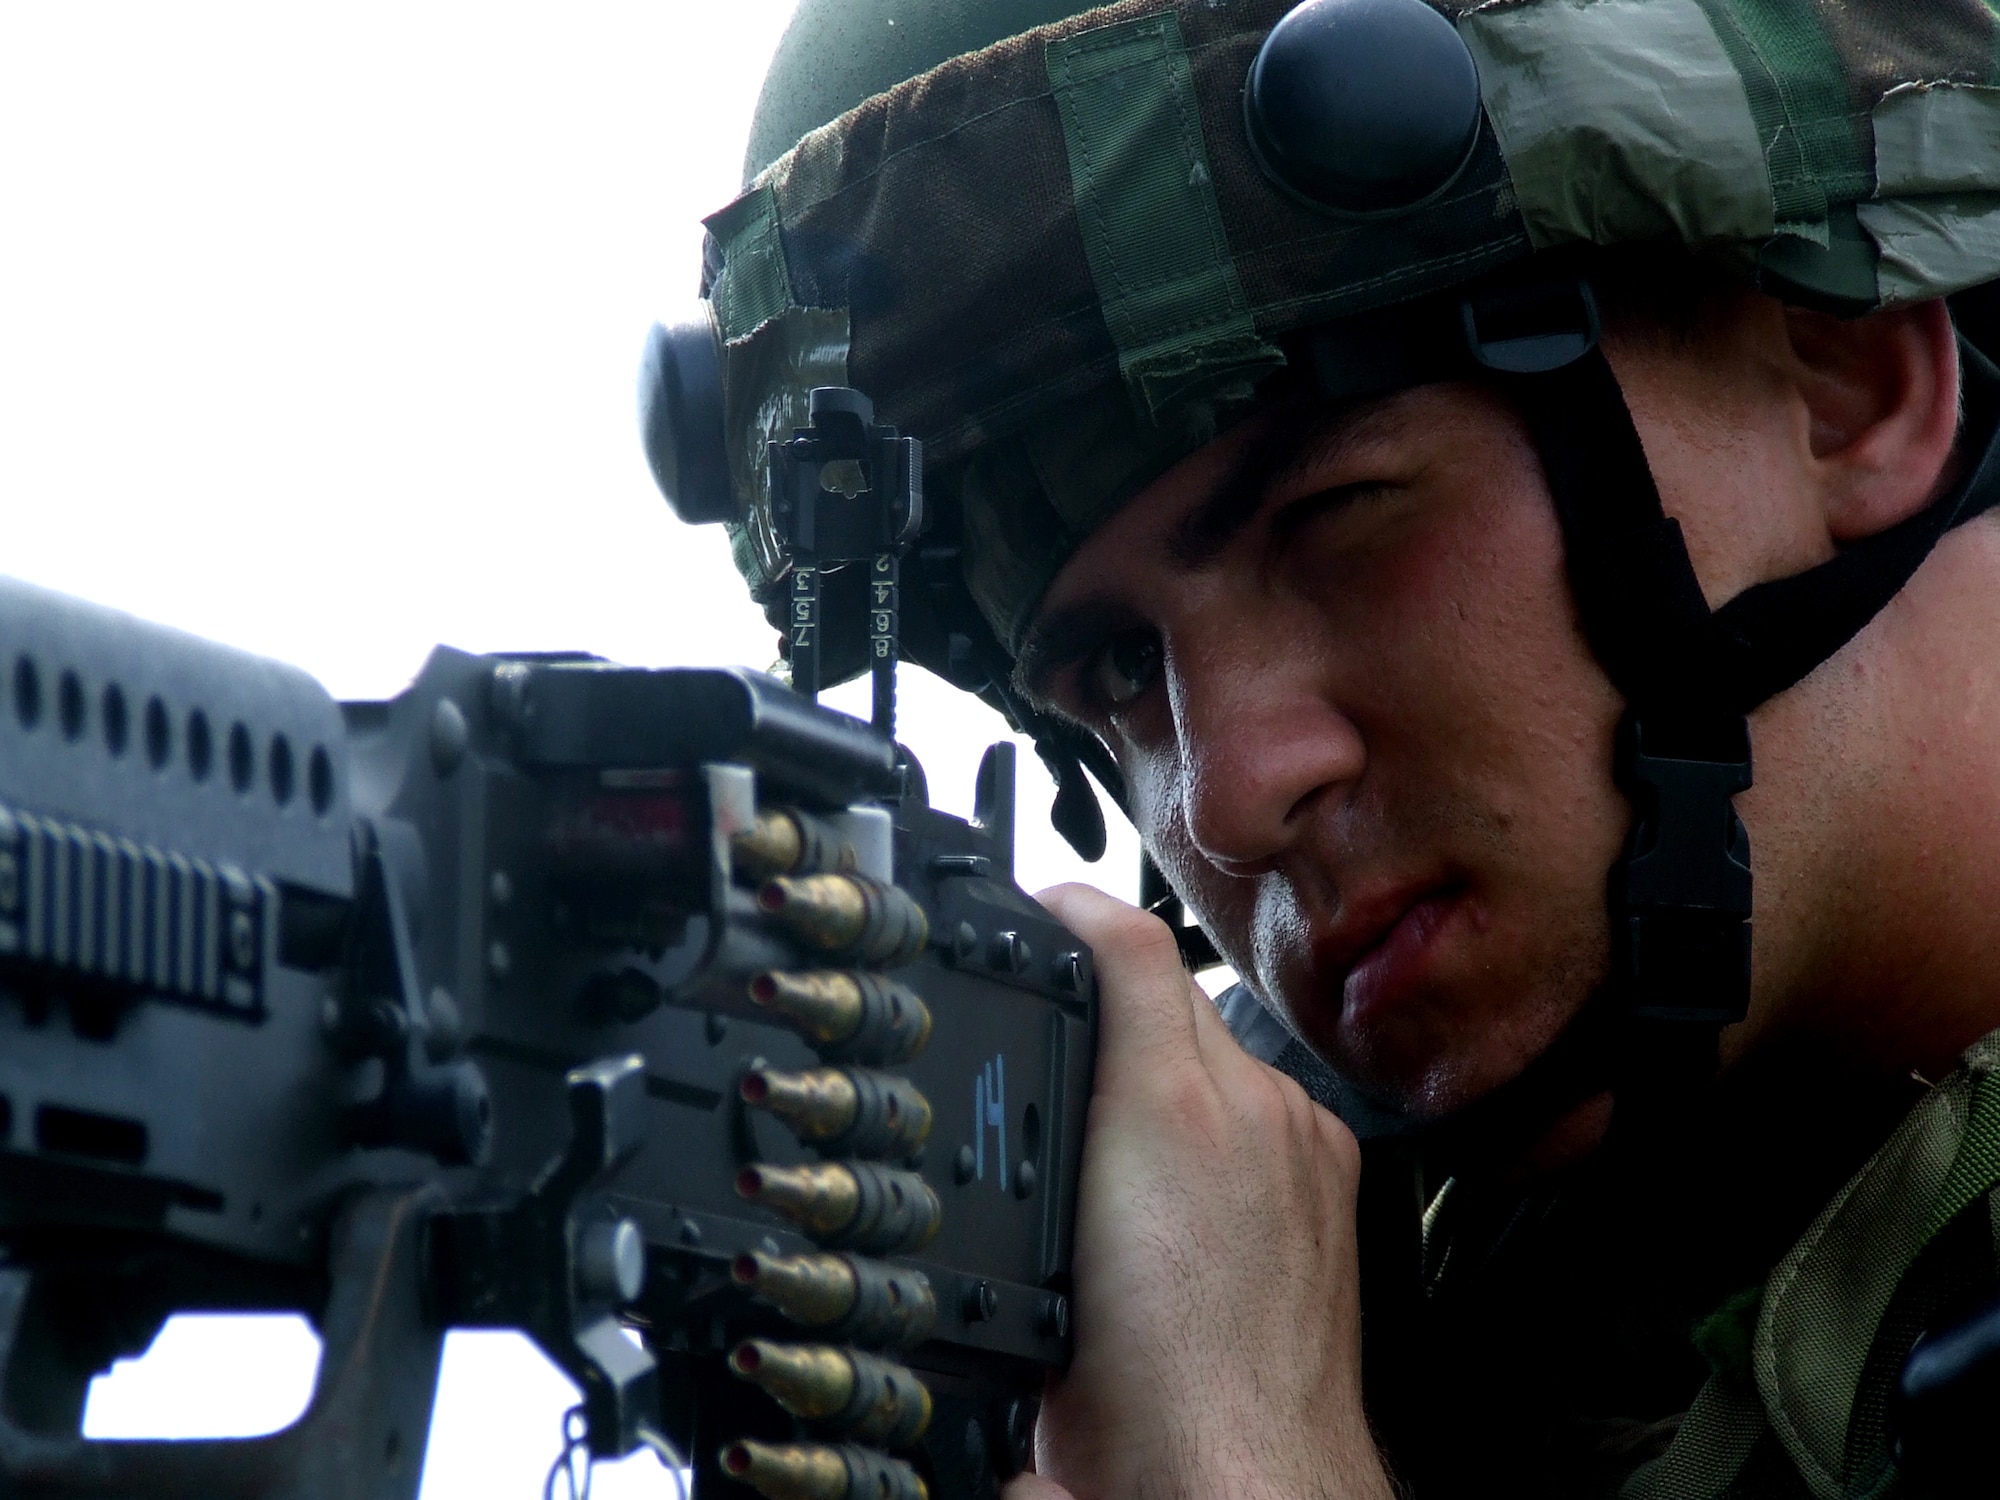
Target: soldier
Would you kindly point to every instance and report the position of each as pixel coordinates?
(1462, 478)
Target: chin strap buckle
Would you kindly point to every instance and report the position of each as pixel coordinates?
(1680, 895)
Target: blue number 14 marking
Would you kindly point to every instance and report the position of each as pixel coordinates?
(989, 1110)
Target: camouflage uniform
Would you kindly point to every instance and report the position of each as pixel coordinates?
(1057, 260)
(1622, 1332)
(1799, 1398)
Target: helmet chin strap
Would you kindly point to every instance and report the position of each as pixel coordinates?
(1679, 895)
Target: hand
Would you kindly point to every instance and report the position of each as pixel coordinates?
(1218, 1326)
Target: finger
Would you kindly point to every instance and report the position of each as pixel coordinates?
(1147, 1011)
(1217, 1042)
(1033, 1487)
(1216, 1047)
(1223, 1054)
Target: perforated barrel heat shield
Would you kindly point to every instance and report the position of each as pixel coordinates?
(1056, 261)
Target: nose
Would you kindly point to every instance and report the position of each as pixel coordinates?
(1261, 743)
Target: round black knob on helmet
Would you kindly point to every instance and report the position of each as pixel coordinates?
(680, 417)
(1362, 106)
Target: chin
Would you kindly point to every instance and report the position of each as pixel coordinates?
(1427, 1087)
(1439, 1053)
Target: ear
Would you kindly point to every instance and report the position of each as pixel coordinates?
(1881, 397)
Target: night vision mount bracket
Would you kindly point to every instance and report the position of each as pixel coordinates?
(846, 490)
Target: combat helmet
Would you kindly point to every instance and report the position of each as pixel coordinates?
(1068, 255)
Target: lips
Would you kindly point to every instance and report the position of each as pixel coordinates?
(1381, 953)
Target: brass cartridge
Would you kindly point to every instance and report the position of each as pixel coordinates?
(813, 1471)
(890, 1406)
(851, 915)
(865, 1301)
(858, 1204)
(784, 841)
(873, 1399)
(820, 1104)
(815, 1381)
(859, 1017)
(788, 1471)
(820, 1291)
(851, 1110)
(824, 1004)
(821, 1200)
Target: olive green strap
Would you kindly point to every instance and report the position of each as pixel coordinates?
(1728, 1417)
(1715, 1440)
(1145, 203)
(1975, 1167)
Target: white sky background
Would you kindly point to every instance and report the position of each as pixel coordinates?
(318, 333)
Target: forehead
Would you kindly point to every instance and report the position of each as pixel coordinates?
(1190, 518)
(1185, 518)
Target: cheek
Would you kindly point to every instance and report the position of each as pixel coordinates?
(1489, 723)
(1490, 733)
(1465, 648)
(1489, 729)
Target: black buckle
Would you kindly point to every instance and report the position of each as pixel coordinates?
(1680, 895)
(1531, 328)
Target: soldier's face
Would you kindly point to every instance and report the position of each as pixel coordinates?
(1337, 658)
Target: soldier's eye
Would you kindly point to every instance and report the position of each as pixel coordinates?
(1125, 667)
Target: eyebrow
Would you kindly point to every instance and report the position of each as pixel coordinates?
(1266, 461)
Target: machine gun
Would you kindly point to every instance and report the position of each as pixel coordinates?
(652, 1012)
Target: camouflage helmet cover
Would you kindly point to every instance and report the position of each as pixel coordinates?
(1056, 260)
